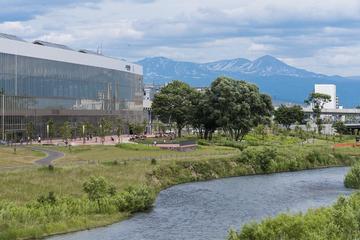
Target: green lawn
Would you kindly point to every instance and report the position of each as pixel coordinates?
(22, 157)
(137, 152)
(123, 166)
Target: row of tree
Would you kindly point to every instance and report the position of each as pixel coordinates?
(233, 106)
(105, 127)
(294, 114)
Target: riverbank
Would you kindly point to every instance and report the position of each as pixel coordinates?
(339, 221)
(253, 160)
(206, 210)
(156, 175)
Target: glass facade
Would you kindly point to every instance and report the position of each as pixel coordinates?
(37, 90)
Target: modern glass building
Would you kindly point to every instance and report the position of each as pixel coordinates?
(40, 81)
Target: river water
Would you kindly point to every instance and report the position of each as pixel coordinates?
(206, 210)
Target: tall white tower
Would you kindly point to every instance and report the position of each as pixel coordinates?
(329, 89)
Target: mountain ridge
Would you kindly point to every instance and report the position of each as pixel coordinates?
(273, 76)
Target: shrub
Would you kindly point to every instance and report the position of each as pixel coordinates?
(98, 187)
(51, 167)
(153, 161)
(352, 178)
(49, 199)
(259, 159)
(135, 199)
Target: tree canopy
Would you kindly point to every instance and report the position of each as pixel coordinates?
(173, 104)
(317, 101)
(238, 106)
(340, 128)
(286, 116)
(203, 118)
(234, 106)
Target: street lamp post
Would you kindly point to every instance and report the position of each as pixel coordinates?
(101, 134)
(83, 129)
(3, 116)
(47, 132)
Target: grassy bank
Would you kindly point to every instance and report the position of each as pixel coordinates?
(25, 214)
(340, 221)
(253, 160)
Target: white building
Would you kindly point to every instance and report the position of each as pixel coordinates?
(329, 89)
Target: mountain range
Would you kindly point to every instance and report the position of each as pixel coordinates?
(274, 77)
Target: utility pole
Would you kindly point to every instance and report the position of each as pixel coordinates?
(3, 115)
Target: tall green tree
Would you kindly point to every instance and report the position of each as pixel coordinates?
(260, 130)
(238, 106)
(51, 129)
(286, 116)
(173, 104)
(317, 101)
(89, 128)
(105, 127)
(202, 117)
(65, 131)
(340, 128)
(30, 129)
(137, 128)
(119, 127)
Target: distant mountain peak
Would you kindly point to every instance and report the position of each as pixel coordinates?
(231, 65)
(273, 76)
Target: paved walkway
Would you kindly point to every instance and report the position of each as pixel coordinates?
(51, 156)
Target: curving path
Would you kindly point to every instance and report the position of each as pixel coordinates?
(51, 156)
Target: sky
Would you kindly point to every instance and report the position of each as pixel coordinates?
(321, 36)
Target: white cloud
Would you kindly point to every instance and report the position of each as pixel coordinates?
(334, 60)
(316, 35)
(15, 27)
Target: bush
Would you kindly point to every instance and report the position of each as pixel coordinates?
(51, 167)
(98, 187)
(49, 199)
(352, 178)
(135, 199)
(259, 159)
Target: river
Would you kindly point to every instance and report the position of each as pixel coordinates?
(206, 210)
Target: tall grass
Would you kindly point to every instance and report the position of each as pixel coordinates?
(352, 178)
(42, 217)
(340, 222)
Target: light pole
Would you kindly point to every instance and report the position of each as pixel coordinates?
(3, 116)
(101, 134)
(47, 132)
(83, 129)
